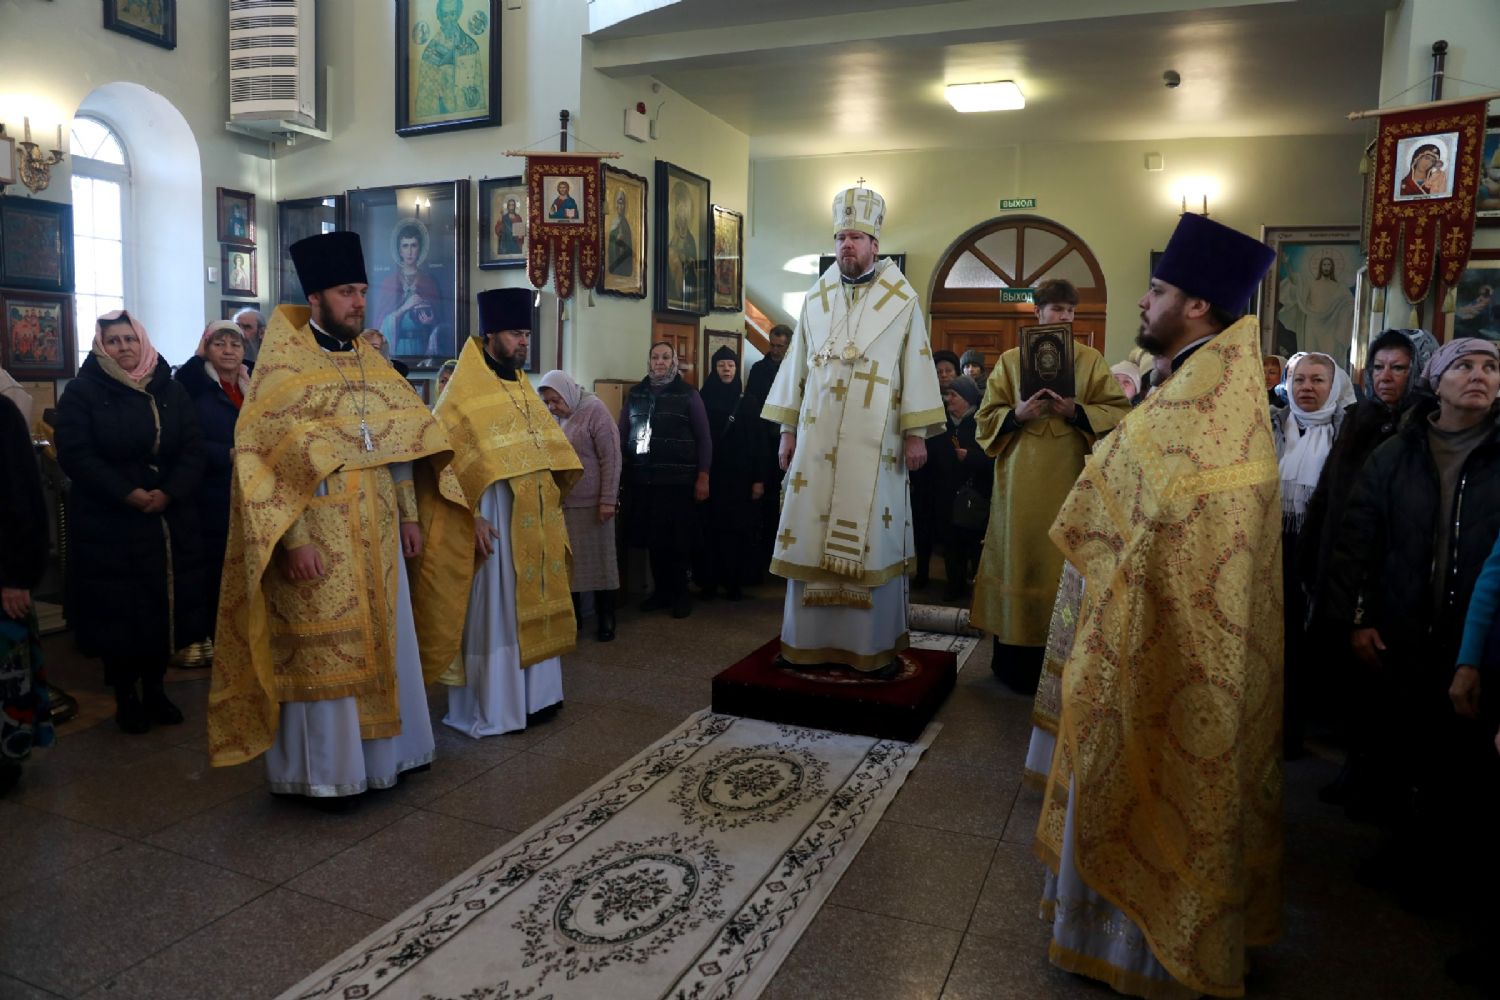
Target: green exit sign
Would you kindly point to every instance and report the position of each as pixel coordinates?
(1017, 203)
(1016, 294)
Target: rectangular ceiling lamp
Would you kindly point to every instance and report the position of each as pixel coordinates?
(1000, 95)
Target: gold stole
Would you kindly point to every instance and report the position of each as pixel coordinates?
(1170, 730)
(279, 641)
(503, 431)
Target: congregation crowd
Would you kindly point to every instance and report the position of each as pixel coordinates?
(191, 522)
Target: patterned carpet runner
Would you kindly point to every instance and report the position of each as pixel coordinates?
(688, 873)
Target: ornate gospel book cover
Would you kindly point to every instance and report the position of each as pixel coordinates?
(1047, 359)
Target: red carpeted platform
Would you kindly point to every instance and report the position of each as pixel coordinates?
(840, 700)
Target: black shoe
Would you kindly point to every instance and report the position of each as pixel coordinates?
(656, 602)
(130, 715)
(683, 606)
(544, 714)
(607, 627)
(604, 614)
(158, 707)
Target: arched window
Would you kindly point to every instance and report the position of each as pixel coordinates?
(101, 224)
(979, 295)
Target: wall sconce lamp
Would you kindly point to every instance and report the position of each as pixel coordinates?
(36, 168)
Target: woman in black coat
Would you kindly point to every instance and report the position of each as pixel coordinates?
(128, 438)
(667, 453)
(1423, 518)
(957, 460)
(217, 379)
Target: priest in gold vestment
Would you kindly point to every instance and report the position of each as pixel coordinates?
(348, 547)
(1161, 819)
(856, 398)
(515, 466)
(1038, 445)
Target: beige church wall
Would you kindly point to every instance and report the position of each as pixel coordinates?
(1101, 191)
(539, 76)
(55, 55)
(613, 335)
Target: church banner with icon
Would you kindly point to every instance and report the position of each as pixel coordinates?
(1422, 199)
(562, 198)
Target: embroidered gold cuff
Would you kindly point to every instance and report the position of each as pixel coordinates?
(924, 418)
(780, 415)
(406, 501)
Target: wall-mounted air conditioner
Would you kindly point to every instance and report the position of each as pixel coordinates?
(272, 66)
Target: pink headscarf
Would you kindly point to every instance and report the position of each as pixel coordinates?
(146, 365)
(218, 326)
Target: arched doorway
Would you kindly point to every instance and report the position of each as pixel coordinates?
(1011, 254)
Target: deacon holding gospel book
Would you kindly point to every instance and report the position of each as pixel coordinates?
(1039, 441)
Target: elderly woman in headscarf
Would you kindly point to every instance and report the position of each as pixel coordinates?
(736, 481)
(217, 379)
(589, 507)
(1318, 393)
(1128, 377)
(1423, 519)
(127, 435)
(667, 451)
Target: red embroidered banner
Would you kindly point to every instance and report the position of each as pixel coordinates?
(562, 196)
(1422, 196)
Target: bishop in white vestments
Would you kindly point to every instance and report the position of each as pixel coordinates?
(856, 398)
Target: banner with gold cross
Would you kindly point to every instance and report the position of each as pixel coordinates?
(563, 210)
(1427, 166)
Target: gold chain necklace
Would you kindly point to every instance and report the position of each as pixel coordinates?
(850, 352)
(505, 384)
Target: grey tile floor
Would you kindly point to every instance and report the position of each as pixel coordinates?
(130, 869)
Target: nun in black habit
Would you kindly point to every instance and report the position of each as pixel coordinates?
(727, 523)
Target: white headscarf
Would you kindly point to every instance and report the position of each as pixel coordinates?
(573, 394)
(1308, 436)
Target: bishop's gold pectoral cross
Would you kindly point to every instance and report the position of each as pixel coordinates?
(872, 377)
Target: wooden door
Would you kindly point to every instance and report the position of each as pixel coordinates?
(1007, 254)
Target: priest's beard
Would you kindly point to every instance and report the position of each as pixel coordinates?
(853, 267)
(343, 330)
(1159, 336)
(506, 361)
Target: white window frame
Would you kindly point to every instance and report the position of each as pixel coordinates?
(120, 174)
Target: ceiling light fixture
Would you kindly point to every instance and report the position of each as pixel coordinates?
(998, 95)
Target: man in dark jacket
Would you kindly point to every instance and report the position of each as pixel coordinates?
(757, 386)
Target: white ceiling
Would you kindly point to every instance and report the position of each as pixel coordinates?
(802, 79)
